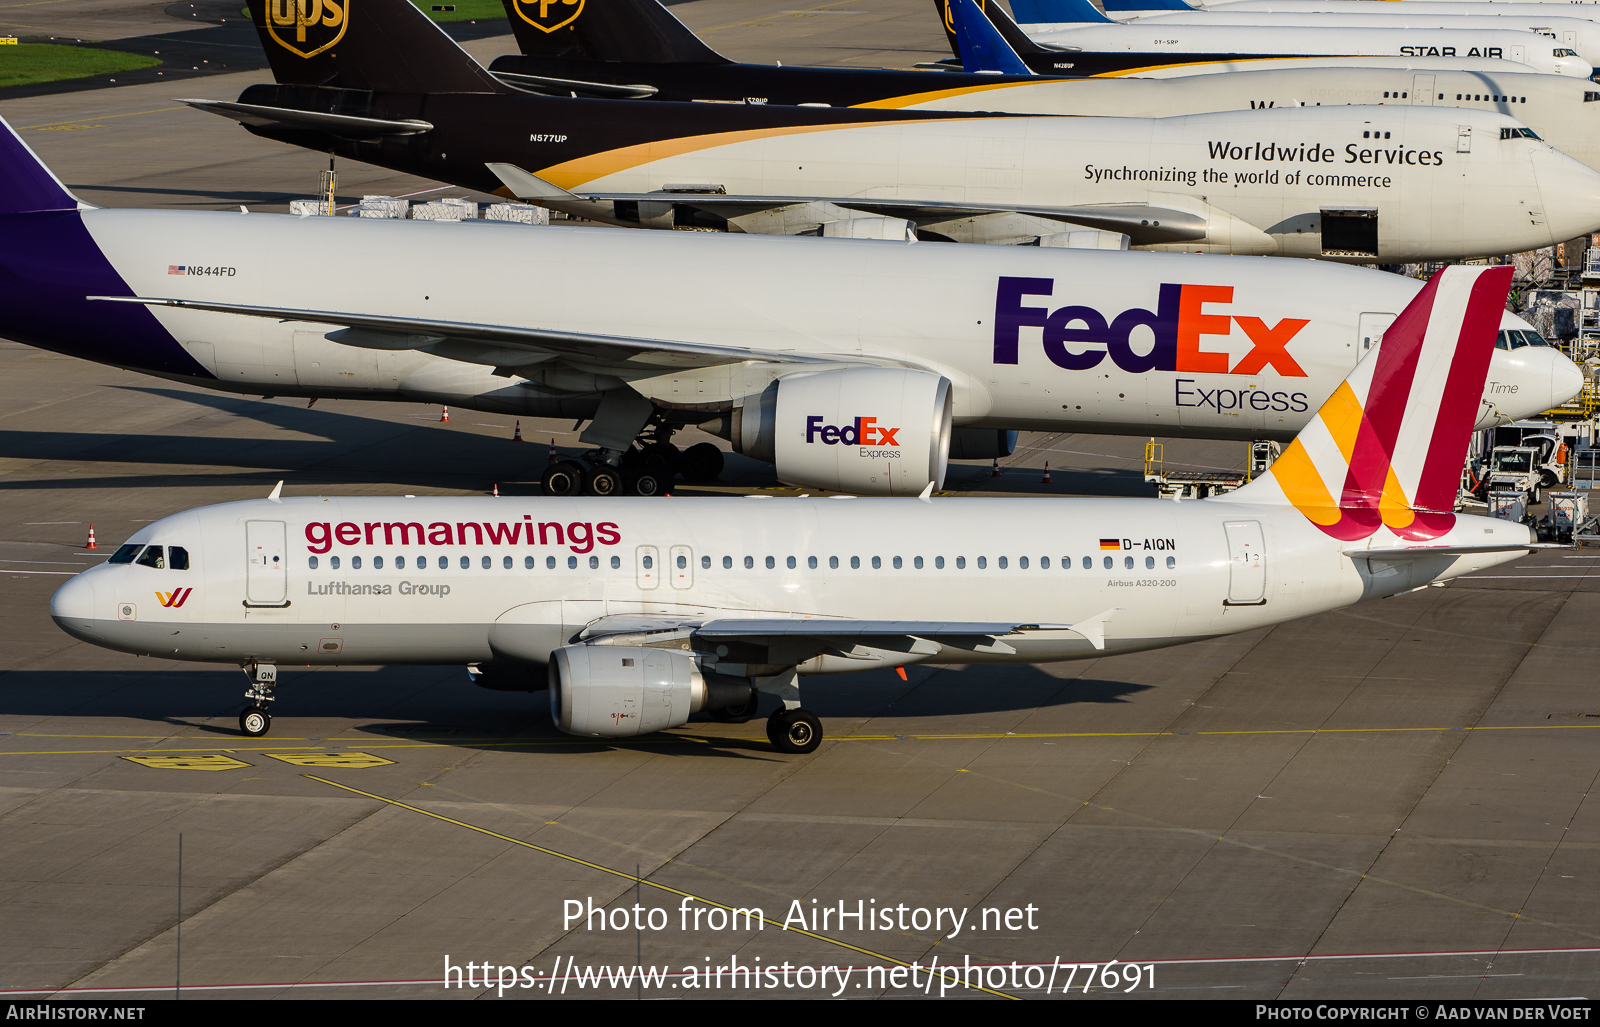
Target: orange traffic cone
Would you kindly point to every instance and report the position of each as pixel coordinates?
(497, 490)
(91, 544)
(517, 435)
(996, 472)
(1046, 479)
(553, 457)
(444, 418)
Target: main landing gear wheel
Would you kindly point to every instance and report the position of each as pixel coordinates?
(739, 714)
(647, 484)
(563, 478)
(794, 731)
(255, 721)
(603, 481)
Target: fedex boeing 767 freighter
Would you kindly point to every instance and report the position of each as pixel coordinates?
(643, 613)
(851, 365)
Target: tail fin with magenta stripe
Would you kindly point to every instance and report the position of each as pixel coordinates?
(1386, 449)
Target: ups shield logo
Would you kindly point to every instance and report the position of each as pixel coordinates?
(549, 15)
(307, 27)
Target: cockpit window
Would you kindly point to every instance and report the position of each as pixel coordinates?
(1516, 339)
(152, 557)
(126, 553)
(1518, 133)
(177, 558)
(1562, 51)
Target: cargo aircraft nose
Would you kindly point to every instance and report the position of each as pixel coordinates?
(1569, 192)
(1529, 380)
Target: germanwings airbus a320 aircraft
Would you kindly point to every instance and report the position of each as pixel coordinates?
(645, 612)
(851, 365)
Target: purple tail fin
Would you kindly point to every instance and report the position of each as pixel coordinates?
(26, 185)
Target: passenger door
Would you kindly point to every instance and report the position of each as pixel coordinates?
(1422, 90)
(267, 566)
(1369, 332)
(1247, 566)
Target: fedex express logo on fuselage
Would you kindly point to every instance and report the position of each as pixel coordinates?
(863, 431)
(1079, 337)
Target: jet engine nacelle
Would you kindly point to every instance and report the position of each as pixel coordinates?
(614, 691)
(875, 431)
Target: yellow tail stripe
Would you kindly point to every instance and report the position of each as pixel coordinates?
(1303, 486)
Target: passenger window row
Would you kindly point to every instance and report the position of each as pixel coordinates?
(917, 563)
(1496, 98)
(770, 563)
(168, 558)
(465, 563)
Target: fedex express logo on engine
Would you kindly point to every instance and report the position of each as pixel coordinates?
(863, 431)
(1079, 337)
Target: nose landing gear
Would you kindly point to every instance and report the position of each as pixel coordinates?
(256, 721)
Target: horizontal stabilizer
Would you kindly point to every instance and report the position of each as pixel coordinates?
(1419, 552)
(417, 333)
(579, 87)
(334, 124)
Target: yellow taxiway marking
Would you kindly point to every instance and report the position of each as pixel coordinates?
(108, 117)
(213, 762)
(330, 759)
(641, 881)
(619, 743)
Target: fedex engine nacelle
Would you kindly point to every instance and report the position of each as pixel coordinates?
(616, 691)
(875, 431)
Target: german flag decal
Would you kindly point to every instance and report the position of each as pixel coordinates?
(1111, 543)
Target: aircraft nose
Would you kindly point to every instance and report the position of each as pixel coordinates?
(73, 607)
(1566, 379)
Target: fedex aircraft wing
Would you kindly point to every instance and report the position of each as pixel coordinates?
(916, 348)
(640, 614)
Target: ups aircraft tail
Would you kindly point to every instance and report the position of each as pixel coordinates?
(1386, 449)
(979, 45)
(629, 31)
(386, 45)
(1014, 37)
(1034, 12)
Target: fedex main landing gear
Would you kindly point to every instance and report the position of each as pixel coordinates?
(634, 455)
(255, 721)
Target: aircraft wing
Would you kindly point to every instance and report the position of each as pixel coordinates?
(802, 638)
(334, 124)
(1143, 225)
(507, 347)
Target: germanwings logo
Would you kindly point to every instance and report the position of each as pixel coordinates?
(1394, 434)
(173, 600)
